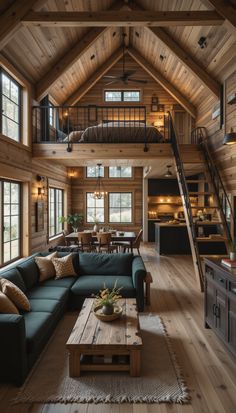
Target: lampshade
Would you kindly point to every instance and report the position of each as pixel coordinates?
(230, 138)
(168, 173)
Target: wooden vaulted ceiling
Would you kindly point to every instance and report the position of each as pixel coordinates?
(65, 60)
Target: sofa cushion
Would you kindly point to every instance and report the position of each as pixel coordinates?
(75, 257)
(15, 294)
(64, 266)
(46, 267)
(105, 264)
(44, 305)
(37, 325)
(29, 271)
(61, 282)
(14, 276)
(86, 285)
(48, 293)
(6, 305)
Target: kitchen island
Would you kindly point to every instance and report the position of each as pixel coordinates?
(172, 238)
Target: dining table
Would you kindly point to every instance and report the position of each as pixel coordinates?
(117, 236)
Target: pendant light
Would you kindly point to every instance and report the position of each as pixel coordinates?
(99, 191)
(230, 138)
(168, 173)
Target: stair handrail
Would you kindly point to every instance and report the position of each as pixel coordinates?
(217, 183)
(185, 192)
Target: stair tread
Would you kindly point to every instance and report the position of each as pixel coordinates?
(208, 223)
(208, 239)
(195, 181)
(214, 256)
(205, 206)
(201, 192)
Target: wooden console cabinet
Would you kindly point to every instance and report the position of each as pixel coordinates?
(220, 301)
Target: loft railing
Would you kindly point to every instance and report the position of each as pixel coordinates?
(186, 199)
(227, 214)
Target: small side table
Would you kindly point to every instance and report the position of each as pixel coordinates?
(148, 280)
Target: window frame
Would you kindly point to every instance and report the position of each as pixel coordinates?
(55, 189)
(120, 177)
(131, 208)
(102, 175)
(20, 222)
(19, 104)
(122, 91)
(86, 209)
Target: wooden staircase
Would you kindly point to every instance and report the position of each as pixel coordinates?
(201, 190)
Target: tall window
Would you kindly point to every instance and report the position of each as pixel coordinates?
(120, 207)
(55, 211)
(120, 172)
(51, 114)
(10, 92)
(94, 208)
(92, 171)
(122, 95)
(10, 207)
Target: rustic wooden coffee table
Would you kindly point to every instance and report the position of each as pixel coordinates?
(96, 345)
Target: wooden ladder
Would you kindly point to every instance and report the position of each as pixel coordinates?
(208, 232)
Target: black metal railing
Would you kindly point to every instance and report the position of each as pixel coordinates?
(224, 203)
(185, 195)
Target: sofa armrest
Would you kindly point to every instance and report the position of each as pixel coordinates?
(13, 357)
(138, 274)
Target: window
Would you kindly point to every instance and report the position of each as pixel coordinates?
(94, 208)
(120, 207)
(10, 107)
(10, 221)
(122, 96)
(56, 208)
(120, 172)
(51, 114)
(92, 171)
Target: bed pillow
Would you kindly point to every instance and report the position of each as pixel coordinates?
(64, 266)
(6, 306)
(74, 136)
(46, 266)
(15, 295)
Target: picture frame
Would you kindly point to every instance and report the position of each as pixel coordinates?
(154, 108)
(39, 216)
(154, 100)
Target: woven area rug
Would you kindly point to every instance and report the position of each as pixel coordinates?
(161, 379)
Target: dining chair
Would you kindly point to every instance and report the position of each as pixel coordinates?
(126, 245)
(86, 241)
(105, 242)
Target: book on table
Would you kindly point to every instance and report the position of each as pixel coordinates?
(228, 262)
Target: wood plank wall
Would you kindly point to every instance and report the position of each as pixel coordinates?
(80, 185)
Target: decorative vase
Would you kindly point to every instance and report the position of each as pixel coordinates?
(232, 256)
(108, 309)
(75, 229)
(96, 228)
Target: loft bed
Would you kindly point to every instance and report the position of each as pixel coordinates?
(93, 124)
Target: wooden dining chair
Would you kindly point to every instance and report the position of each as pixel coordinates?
(86, 241)
(126, 245)
(105, 242)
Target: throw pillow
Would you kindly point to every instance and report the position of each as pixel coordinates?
(15, 295)
(64, 266)
(6, 306)
(46, 267)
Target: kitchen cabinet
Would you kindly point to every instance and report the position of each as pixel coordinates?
(220, 301)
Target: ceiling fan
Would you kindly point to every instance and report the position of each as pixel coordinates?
(126, 76)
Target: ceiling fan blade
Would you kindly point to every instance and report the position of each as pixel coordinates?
(110, 77)
(113, 81)
(128, 73)
(137, 80)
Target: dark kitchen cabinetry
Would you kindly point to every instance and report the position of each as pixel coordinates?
(220, 301)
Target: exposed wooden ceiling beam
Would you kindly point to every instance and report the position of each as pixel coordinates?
(82, 90)
(124, 18)
(226, 9)
(11, 19)
(175, 93)
(195, 68)
(66, 61)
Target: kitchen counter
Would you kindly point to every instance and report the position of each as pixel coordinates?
(172, 238)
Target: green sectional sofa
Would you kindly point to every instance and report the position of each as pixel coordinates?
(24, 336)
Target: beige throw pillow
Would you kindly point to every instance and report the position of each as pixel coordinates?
(46, 267)
(64, 266)
(6, 306)
(15, 295)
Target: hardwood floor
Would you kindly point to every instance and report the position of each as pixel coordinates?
(209, 369)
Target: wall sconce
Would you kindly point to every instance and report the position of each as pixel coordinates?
(41, 189)
(71, 173)
(230, 138)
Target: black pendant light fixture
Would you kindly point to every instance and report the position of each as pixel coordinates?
(99, 192)
(168, 173)
(230, 138)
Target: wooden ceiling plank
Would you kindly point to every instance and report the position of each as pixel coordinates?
(123, 18)
(175, 93)
(194, 67)
(11, 19)
(81, 91)
(226, 10)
